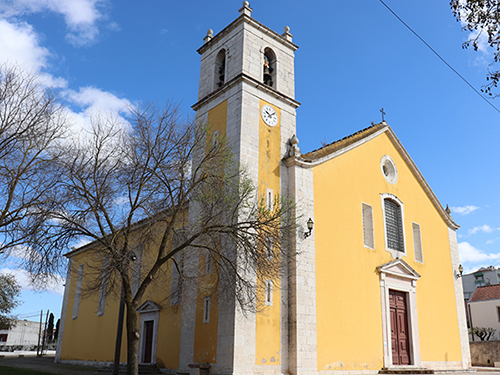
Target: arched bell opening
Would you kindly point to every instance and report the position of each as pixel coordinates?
(269, 66)
(220, 69)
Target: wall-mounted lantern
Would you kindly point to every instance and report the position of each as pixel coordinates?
(310, 226)
(460, 271)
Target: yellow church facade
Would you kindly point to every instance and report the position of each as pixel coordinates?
(371, 286)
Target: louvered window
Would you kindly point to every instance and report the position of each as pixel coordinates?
(393, 225)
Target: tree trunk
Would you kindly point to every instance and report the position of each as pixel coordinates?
(132, 341)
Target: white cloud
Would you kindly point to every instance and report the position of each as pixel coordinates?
(20, 46)
(482, 41)
(22, 253)
(54, 285)
(469, 253)
(464, 210)
(92, 97)
(81, 16)
(482, 228)
(490, 242)
(94, 103)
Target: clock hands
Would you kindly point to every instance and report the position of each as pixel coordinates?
(269, 115)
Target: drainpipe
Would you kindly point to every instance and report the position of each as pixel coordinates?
(471, 325)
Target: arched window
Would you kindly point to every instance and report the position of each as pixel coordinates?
(220, 69)
(269, 77)
(393, 225)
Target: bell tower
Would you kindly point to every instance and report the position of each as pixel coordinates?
(247, 95)
(244, 67)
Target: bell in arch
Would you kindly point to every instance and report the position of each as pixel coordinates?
(268, 78)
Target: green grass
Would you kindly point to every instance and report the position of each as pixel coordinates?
(21, 371)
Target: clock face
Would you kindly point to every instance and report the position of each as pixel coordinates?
(269, 115)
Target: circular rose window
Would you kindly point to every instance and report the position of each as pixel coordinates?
(389, 169)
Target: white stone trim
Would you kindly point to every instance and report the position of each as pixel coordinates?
(368, 226)
(78, 291)
(215, 138)
(137, 269)
(324, 159)
(176, 280)
(149, 311)
(417, 242)
(189, 298)
(64, 310)
(103, 290)
(388, 169)
(302, 323)
(459, 297)
(208, 264)
(397, 275)
(276, 64)
(214, 70)
(395, 253)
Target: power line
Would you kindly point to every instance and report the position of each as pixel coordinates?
(438, 55)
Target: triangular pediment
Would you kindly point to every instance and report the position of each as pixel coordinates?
(148, 306)
(399, 268)
(346, 144)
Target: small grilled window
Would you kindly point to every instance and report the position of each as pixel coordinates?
(206, 310)
(393, 225)
(269, 293)
(269, 199)
(269, 248)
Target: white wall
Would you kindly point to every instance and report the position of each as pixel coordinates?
(484, 314)
(24, 333)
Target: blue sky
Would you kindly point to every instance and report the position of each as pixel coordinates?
(354, 58)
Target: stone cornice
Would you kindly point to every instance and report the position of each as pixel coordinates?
(242, 77)
(245, 18)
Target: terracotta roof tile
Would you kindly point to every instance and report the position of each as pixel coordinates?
(484, 293)
(341, 143)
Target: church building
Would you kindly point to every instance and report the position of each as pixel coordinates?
(374, 285)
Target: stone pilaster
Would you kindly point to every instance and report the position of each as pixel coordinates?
(64, 309)
(459, 296)
(302, 279)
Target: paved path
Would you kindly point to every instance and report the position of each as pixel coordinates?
(26, 353)
(47, 364)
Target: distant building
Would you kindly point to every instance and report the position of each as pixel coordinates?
(23, 336)
(484, 307)
(483, 276)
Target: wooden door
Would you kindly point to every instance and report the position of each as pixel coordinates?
(148, 341)
(400, 337)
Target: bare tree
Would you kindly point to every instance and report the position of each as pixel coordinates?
(31, 121)
(482, 18)
(165, 183)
